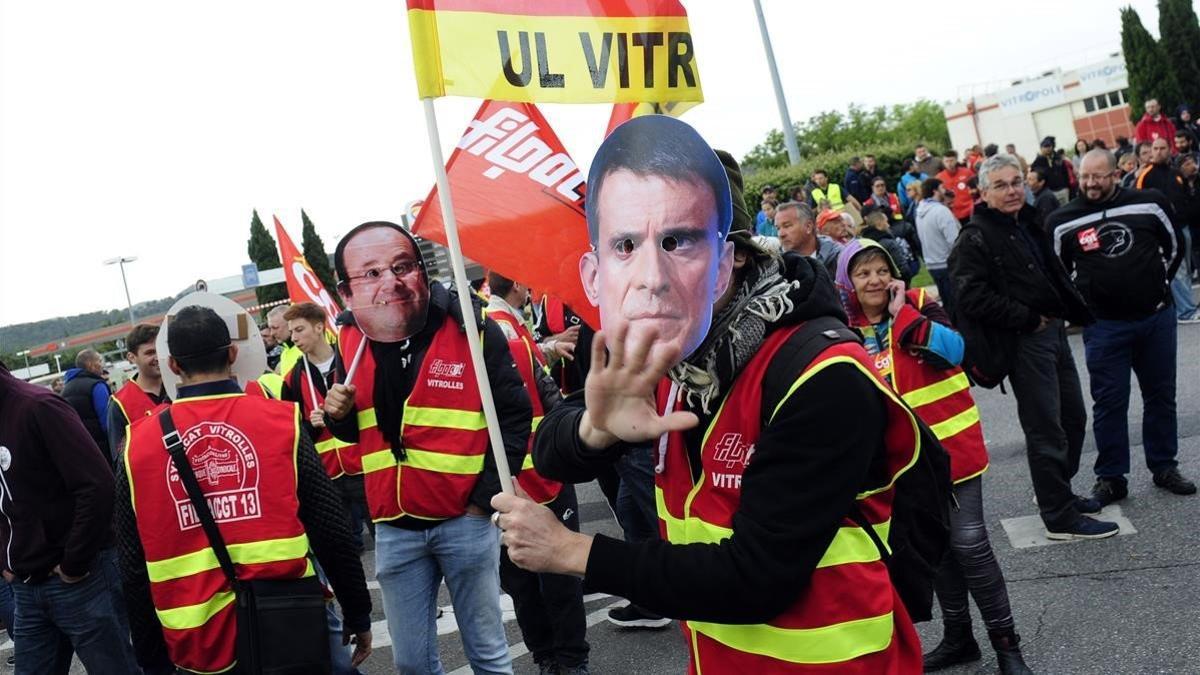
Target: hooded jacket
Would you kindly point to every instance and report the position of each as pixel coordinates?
(1149, 129)
(1122, 253)
(820, 449)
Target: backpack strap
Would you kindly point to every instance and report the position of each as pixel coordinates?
(813, 337)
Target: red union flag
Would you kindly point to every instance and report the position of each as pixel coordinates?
(518, 199)
(302, 284)
(623, 112)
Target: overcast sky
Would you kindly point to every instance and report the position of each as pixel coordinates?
(152, 129)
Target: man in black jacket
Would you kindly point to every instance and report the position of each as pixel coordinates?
(1158, 174)
(88, 393)
(1058, 181)
(1122, 249)
(1008, 281)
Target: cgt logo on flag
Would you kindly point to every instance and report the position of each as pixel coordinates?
(507, 140)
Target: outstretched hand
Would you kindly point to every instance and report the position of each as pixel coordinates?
(619, 390)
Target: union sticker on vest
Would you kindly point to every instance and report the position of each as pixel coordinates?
(226, 467)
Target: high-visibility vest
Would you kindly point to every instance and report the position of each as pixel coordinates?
(243, 451)
(268, 385)
(337, 456)
(941, 398)
(288, 358)
(834, 196)
(848, 619)
(443, 431)
(133, 401)
(525, 354)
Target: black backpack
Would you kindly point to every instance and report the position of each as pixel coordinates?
(920, 528)
(989, 352)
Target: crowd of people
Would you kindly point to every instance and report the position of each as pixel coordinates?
(795, 339)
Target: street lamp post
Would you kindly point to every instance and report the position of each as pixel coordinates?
(789, 133)
(26, 355)
(121, 260)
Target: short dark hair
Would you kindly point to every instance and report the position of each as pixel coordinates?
(822, 172)
(990, 149)
(339, 253)
(309, 311)
(1137, 149)
(950, 153)
(499, 284)
(878, 179)
(868, 156)
(855, 160)
(199, 340)
(661, 146)
(929, 187)
(1040, 171)
(143, 333)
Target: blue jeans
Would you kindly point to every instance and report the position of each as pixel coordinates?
(1147, 347)
(634, 506)
(8, 607)
(55, 618)
(410, 565)
(1181, 285)
(339, 654)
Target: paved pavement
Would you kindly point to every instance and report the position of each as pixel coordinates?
(1129, 604)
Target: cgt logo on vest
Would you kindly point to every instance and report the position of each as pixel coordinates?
(226, 466)
(444, 373)
(734, 452)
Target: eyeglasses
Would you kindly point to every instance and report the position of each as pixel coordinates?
(399, 270)
(1018, 184)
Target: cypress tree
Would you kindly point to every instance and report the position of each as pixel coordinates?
(318, 259)
(1150, 74)
(262, 251)
(1180, 31)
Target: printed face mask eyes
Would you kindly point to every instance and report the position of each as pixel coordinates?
(625, 246)
(669, 244)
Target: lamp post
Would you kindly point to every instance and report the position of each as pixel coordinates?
(789, 133)
(121, 260)
(26, 355)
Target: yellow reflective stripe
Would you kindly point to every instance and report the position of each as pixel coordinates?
(537, 421)
(937, 391)
(442, 462)
(212, 397)
(366, 419)
(675, 526)
(251, 553)
(527, 463)
(853, 545)
(688, 530)
(330, 444)
(962, 420)
(194, 616)
(827, 644)
(446, 418)
(378, 461)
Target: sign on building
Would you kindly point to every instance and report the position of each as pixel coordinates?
(1031, 96)
(1103, 77)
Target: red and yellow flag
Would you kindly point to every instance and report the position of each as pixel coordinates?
(623, 112)
(557, 51)
(302, 284)
(518, 202)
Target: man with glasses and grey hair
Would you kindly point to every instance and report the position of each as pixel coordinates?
(1013, 296)
(1122, 248)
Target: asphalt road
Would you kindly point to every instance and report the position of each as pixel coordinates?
(1125, 605)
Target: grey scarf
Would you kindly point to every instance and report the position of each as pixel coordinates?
(736, 333)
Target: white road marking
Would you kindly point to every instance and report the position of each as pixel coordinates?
(1030, 532)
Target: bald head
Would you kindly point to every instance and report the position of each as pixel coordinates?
(1098, 175)
(89, 360)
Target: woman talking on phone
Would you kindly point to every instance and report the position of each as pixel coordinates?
(909, 337)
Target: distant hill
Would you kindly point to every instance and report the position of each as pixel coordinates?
(25, 335)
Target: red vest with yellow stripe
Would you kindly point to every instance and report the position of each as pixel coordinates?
(243, 451)
(941, 398)
(443, 431)
(525, 354)
(337, 456)
(848, 619)
(133, 401)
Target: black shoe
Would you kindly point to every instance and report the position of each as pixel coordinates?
(1088, 506)
(632, 616)
(581, 669)
(958, 646)
(548, 668)
(1109, 490)
(1084, 528)
(1008, 653)
(1171, 480)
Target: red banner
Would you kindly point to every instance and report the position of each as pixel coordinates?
(302, 284)
(623, 112)
(518, 198)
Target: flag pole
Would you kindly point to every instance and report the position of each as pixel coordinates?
(789, 133)
(464, 297)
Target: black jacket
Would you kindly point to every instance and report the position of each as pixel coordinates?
(78, 393)
(513, 408)
(1034, 285)
(1057, 177)
(821, 448)
(1122, 253)
(325, 521)
(1044, 204)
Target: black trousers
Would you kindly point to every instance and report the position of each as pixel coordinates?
(549, 607)
(970, 565)
(1052, 414)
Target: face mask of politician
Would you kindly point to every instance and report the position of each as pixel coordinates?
(385, 285)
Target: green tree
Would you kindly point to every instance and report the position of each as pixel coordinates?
(263, 253)
(318, 259)
(858, 128)
(1150, 73)
(1180, 31)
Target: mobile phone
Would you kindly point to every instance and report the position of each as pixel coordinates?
(891, 295)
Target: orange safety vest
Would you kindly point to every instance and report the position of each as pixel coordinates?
(133, 401)
(337, 456)
(941, 398)
(525, 354)
(849, 618)
(243, 451)
(443, 431)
